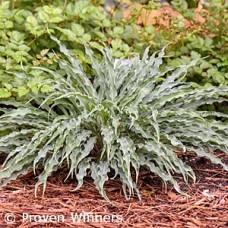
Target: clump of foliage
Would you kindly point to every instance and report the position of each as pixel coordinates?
(130, 116)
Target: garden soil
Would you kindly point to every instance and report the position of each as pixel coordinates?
(161, 206)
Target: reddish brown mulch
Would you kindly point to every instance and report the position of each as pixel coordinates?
(207, 205)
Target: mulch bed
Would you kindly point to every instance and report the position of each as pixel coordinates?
(207, 205)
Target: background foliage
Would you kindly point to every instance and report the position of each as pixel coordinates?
(25, 25)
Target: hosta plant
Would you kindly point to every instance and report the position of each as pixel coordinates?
(131, 115)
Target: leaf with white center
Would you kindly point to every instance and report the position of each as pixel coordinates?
(108, 139)
(202, 153)
(99, 174)
(77, 153)
(82, 167)
(50, 166)
(129, 156)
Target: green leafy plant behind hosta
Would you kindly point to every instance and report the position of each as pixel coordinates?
(125, 119)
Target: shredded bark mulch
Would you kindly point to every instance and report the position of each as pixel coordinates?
(206, 205)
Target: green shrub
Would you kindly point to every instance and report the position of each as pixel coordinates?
(127, 118)
(25, 26)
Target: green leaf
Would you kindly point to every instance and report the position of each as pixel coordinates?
(4, 93)
(32, 21)
(46, 89)
(44, 52)
(22, 91)
(5, 5)
(8, 86)
(57, 11)
(8, 24)
(80, 7)
(44, 17)
(77, 29)
(208, 42)
(99, 174)
(96, 45)
(86, 37)
(118, 30)
(106, 23)
(56, 19)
